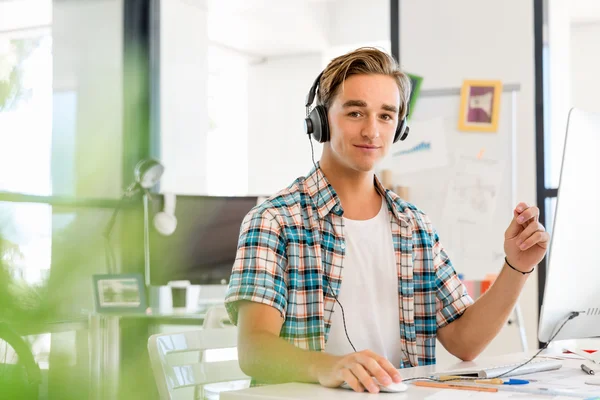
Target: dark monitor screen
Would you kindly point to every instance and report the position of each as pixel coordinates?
(203, 247)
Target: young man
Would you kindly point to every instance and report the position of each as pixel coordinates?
(338, 279)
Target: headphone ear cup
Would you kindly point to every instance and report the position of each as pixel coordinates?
(401, 131)
(316, 124)
(324, 123)
(165, 223)
(312, 125)
(405, 133)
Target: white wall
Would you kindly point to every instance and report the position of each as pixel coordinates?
(183, 96)
(585, 66)
(278, 149)
(573, 34)
(270, 27)
(356, 21)
(447, 42)
(558, 84)
(88, 63)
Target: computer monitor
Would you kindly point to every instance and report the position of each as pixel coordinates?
(203, 247)
(573, 273)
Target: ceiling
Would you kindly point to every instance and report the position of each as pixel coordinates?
(240, 6)
(274, 28)
(268, 28)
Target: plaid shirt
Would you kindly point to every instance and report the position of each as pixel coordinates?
(287, 251)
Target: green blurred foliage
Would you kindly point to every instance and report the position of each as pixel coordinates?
(11, 89)
(26, 309)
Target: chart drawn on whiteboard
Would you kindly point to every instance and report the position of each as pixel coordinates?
(420, 147)
(473, 191)
(425, 148)
(479, 194)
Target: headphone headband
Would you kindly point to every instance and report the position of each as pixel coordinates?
(310, 97)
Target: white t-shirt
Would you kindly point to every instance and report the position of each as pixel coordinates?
(369, 291)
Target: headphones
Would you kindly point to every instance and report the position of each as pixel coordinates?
(165, 221)
(317, 125)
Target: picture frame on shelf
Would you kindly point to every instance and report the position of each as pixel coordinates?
(119, 293)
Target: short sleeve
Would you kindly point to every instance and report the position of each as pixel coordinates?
(259, 268)
(452, 298)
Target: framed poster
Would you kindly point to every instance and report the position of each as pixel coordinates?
(479, 106)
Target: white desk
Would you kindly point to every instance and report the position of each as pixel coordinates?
(314, 391)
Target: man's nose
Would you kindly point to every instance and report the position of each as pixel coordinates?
(370, 129)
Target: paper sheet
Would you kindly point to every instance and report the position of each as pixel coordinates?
(564, 379)
(451, 394)
(424, 148)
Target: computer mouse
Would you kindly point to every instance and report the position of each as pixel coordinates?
(391, 388)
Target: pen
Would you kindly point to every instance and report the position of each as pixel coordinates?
(498, 381)
(516, 382)
(450, 386)
(587, 369)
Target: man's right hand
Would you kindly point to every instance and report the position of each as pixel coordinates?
(357, 369)
(266, 357)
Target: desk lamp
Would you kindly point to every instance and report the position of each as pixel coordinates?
(147, 173)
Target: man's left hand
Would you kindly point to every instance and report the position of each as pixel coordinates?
(525, 239)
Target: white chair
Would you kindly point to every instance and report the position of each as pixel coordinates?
(183, 370)
(216, 317)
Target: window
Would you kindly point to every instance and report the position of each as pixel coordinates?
(27, 232)
(26, 136)
(26, 113)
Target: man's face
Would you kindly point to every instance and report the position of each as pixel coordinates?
(362, 121)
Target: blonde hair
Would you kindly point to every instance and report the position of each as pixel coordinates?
(362, 61)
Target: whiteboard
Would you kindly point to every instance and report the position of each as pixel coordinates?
(475, 249)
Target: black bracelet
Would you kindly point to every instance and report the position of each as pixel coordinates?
(524, 273)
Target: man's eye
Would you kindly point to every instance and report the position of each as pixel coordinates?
(387, 117)
(354, 114)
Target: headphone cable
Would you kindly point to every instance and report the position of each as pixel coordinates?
(312, 151)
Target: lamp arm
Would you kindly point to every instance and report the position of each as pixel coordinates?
(108, 250)
(113, 219)
(130, 191)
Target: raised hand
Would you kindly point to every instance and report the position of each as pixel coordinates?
(525, 239)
